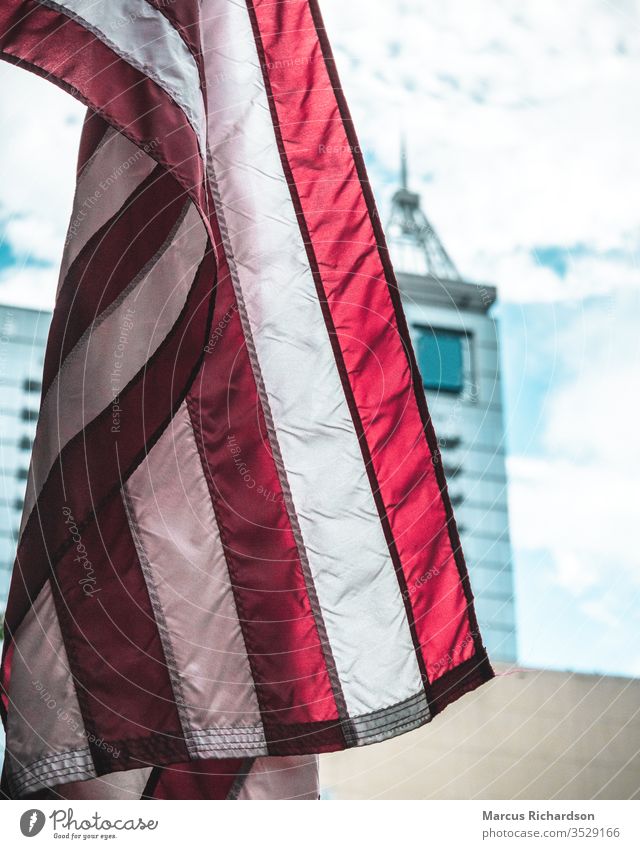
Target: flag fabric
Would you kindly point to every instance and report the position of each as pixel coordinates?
(237, 549)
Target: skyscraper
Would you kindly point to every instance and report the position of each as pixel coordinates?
(456, 342)
(23, 334)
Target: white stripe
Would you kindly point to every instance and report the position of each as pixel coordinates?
(185, 568)
(76, 765)
(290, 777)
(129, 784)
(115, 348)
(347, 552)
(44, 718)
(145, 38)
(102, 191)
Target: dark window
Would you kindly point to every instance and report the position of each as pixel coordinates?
(25, 443)
(440, 359)
(30, 385)
(22, 474)
(28, 415)
(18, 504)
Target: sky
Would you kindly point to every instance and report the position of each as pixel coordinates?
(522, 131)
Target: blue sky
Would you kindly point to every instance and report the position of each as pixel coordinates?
(522, 128)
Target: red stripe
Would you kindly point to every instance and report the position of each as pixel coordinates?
(364, 315)
(59, 48)
(264, 566)
(185, 17)
(339, 358)
(93, 466)
(4, 681)
(93, 131)
(110, 261)
(479, 669)
(112, 640)
(204, 779)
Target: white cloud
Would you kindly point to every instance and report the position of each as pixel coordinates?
(600, 612)
(519, 120)
(593, 414)
(38, 150)
(523, 142)
(29, 286)
(575, 505)
(34, 236)
(581, 514)
(520, 126)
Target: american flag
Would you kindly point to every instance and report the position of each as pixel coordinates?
(237, 548)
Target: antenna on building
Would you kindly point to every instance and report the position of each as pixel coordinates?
(410, 231)
(404, 168)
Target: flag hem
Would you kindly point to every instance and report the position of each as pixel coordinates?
(308, 738)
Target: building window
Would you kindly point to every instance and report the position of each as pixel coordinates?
(31, 385)
(25, 443)
(441, 359)
(22, 474)
(28, 415)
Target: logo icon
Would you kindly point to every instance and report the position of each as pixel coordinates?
(32, 822)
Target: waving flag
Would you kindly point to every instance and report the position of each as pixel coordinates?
(237, 548)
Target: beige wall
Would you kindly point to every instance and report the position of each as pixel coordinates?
(529, 734)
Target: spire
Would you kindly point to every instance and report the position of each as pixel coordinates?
(411, 235)
(404, 165)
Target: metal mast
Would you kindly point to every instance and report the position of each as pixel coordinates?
(410, 229)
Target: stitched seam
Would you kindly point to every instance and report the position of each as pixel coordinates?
(45, 769)
(130, 59)
(314, 603)
(153, 439)
(73, 355)
(164, 633)
(227, 548)
(105, 113)
(53, 760)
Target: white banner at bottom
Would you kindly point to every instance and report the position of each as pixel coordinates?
(308, 824)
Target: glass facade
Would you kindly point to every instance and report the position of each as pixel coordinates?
(23, 334)
(457, 352)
